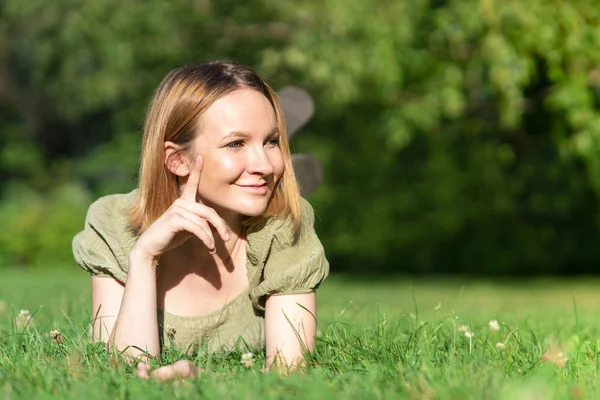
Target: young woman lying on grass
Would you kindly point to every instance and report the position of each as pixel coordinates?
(216, 247)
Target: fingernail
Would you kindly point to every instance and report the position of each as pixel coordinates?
(226, 236)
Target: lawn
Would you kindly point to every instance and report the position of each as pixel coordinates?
(386, 338)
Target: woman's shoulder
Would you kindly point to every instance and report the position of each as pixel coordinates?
(111, 209)
(293, 261)
(285, 232)
(108, 217)
(279, 231)
(107, 237)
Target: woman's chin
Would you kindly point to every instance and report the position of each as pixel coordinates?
(253, 213)
(252, 210)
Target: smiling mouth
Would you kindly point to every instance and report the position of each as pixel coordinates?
(256, 189)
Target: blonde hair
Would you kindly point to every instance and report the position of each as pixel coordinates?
(179, 101)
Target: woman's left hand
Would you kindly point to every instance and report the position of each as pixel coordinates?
(182, 369)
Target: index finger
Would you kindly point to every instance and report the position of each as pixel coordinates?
(191, 186)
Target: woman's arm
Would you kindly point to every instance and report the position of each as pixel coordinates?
(126, 317)
(291, 328)
(135, 329)
(137, 322)
(107, 295)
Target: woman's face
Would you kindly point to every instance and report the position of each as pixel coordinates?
(239, 142)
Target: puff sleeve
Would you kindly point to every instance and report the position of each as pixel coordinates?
(295, 263)
(102, 248)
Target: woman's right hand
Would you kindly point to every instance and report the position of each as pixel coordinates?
(187, 216)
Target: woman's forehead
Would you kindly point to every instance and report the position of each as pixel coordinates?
(245, 111)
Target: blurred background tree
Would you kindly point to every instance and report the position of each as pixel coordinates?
(456, 136)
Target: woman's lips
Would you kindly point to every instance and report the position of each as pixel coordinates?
(256, 189)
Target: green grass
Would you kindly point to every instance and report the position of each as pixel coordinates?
(383, 339)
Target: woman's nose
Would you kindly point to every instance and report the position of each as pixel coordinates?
(258, 162)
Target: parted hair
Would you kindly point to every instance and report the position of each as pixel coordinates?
(173, 115)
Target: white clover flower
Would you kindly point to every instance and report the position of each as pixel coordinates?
(23, 319)
(500, 346)
(555, 356)
(170, 331)
(57, 337)
(469, 334)
(247, 360)
(494, 325)
(24, 315)
(463, 328)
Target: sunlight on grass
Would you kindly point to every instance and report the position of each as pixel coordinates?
(377, 339)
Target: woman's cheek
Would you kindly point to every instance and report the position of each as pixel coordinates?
(227, 163)
(222, 166)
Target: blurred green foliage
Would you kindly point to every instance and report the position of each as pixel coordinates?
(456, 136)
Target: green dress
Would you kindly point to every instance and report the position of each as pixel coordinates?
(277, 262)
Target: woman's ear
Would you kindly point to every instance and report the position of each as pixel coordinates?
(175, 160)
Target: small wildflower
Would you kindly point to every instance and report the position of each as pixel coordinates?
(463, 328)
(469, 334)
(57, 337)
(494, 325)
(23, 318)
(171, 331)
(500, 346)
(247, 360)
(438, 306)
(555, 356)
(24, 315)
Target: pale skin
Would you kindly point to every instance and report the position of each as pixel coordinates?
(200, 244)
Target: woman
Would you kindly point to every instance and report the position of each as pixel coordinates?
(215, 248)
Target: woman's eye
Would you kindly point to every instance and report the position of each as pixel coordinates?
(273, 142)
(235, 145)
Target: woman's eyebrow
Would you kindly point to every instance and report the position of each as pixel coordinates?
(274, 132)
(245, 135)
(236, 135)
